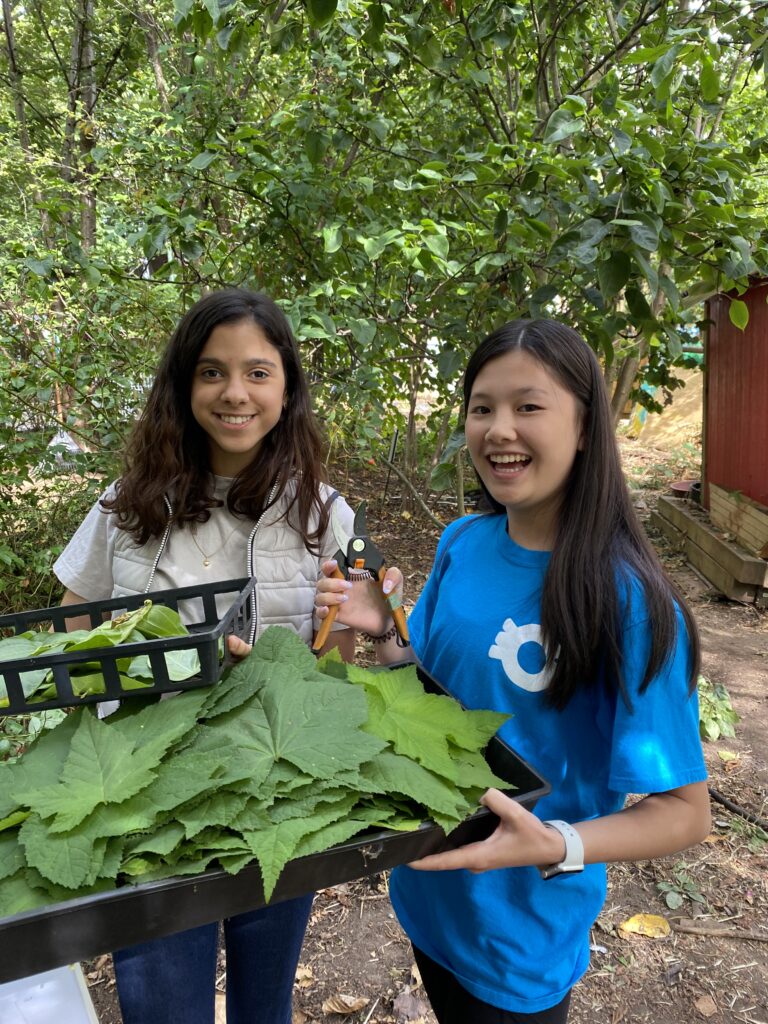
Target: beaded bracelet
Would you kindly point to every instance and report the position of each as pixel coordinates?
(382, 638)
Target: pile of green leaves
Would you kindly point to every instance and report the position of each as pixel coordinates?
(149, 622)
(284, 757)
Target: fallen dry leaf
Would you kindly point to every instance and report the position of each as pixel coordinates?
(341, 1003)
(304, 976)
(651, 925)
(299, 1017)
(408, 1007)
(706, 1005)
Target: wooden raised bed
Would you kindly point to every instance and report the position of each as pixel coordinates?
(734, 571)
(745, 519)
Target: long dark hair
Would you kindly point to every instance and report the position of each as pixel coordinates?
(600, 545)
(168, 450)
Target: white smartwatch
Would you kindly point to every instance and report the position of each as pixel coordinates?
(574, 851)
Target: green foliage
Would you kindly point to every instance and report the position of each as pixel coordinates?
(37, 518)
(401, 177)
(149, 622)
(716, 715)
(680, 888)
(755, 837)
(284, 757)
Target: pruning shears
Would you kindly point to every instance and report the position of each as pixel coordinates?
(358, 557)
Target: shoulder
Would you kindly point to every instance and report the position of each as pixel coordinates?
(468, 528)
(633, 600)
(460, 533)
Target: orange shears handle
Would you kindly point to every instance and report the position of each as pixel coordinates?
(397, 610)
(325, 626)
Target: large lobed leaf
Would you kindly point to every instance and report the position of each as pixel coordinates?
(285, 757)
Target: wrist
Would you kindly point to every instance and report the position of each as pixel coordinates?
(572, 860)
(389, 631)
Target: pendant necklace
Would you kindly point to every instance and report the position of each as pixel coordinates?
(208, 558)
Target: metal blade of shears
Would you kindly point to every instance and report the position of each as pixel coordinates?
(359, 524)
(340, 535)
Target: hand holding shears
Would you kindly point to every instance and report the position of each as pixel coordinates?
(358, 558)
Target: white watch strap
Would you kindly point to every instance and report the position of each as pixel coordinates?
(574, 851)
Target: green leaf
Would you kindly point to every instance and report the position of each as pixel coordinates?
(392, 773)
(613, 273)
(332, 238)
(65, 858)
(41, 268)
(710, 82)
(738, 313)
(315, 146)
(315, 728)
(437, 244)
(11, 854)
(202, 161)
(449, 363)
(100, 768)
(638, 305)
(561, 125)
(321, 11)
(420, 725)
(663, 66)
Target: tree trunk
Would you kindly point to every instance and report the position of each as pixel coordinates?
(411, 460)
(440, 439)
(144, 15)
(87, 131)
(460, 482)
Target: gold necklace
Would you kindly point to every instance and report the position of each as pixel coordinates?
(208, 558)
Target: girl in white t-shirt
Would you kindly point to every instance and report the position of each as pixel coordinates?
(222, 479)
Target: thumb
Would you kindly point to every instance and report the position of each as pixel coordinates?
(501, 805)
(392, 582)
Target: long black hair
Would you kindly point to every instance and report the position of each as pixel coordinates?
(168, 450)
(600, 545)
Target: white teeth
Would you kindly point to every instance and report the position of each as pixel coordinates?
(235, 420)
(503, 459)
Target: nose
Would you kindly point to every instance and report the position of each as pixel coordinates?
(235, 391)
(502, 427)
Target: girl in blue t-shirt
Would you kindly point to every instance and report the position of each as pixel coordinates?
(554, 608)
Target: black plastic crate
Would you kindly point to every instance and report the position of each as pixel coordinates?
(80, 929)
(205, 636)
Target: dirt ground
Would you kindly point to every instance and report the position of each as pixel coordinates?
(356, 964)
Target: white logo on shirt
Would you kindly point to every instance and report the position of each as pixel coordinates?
(507, 649)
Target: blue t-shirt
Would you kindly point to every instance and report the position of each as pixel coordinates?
(512, 939)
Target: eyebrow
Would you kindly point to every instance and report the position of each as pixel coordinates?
(519, 393)
(210, 360)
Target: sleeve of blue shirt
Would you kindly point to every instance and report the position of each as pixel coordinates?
(656, 744)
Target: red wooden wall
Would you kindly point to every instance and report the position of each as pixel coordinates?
(736, 398)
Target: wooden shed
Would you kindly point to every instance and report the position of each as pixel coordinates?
(726, 538)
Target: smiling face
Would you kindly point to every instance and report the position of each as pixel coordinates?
(237, 396)
(523, 431)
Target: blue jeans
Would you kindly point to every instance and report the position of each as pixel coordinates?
(172, 980)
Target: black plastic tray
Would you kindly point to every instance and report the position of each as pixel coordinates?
(80, 929)
(204, 638)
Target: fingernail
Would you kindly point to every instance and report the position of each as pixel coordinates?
(347, 584)
(388, 585)
(343, 597)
